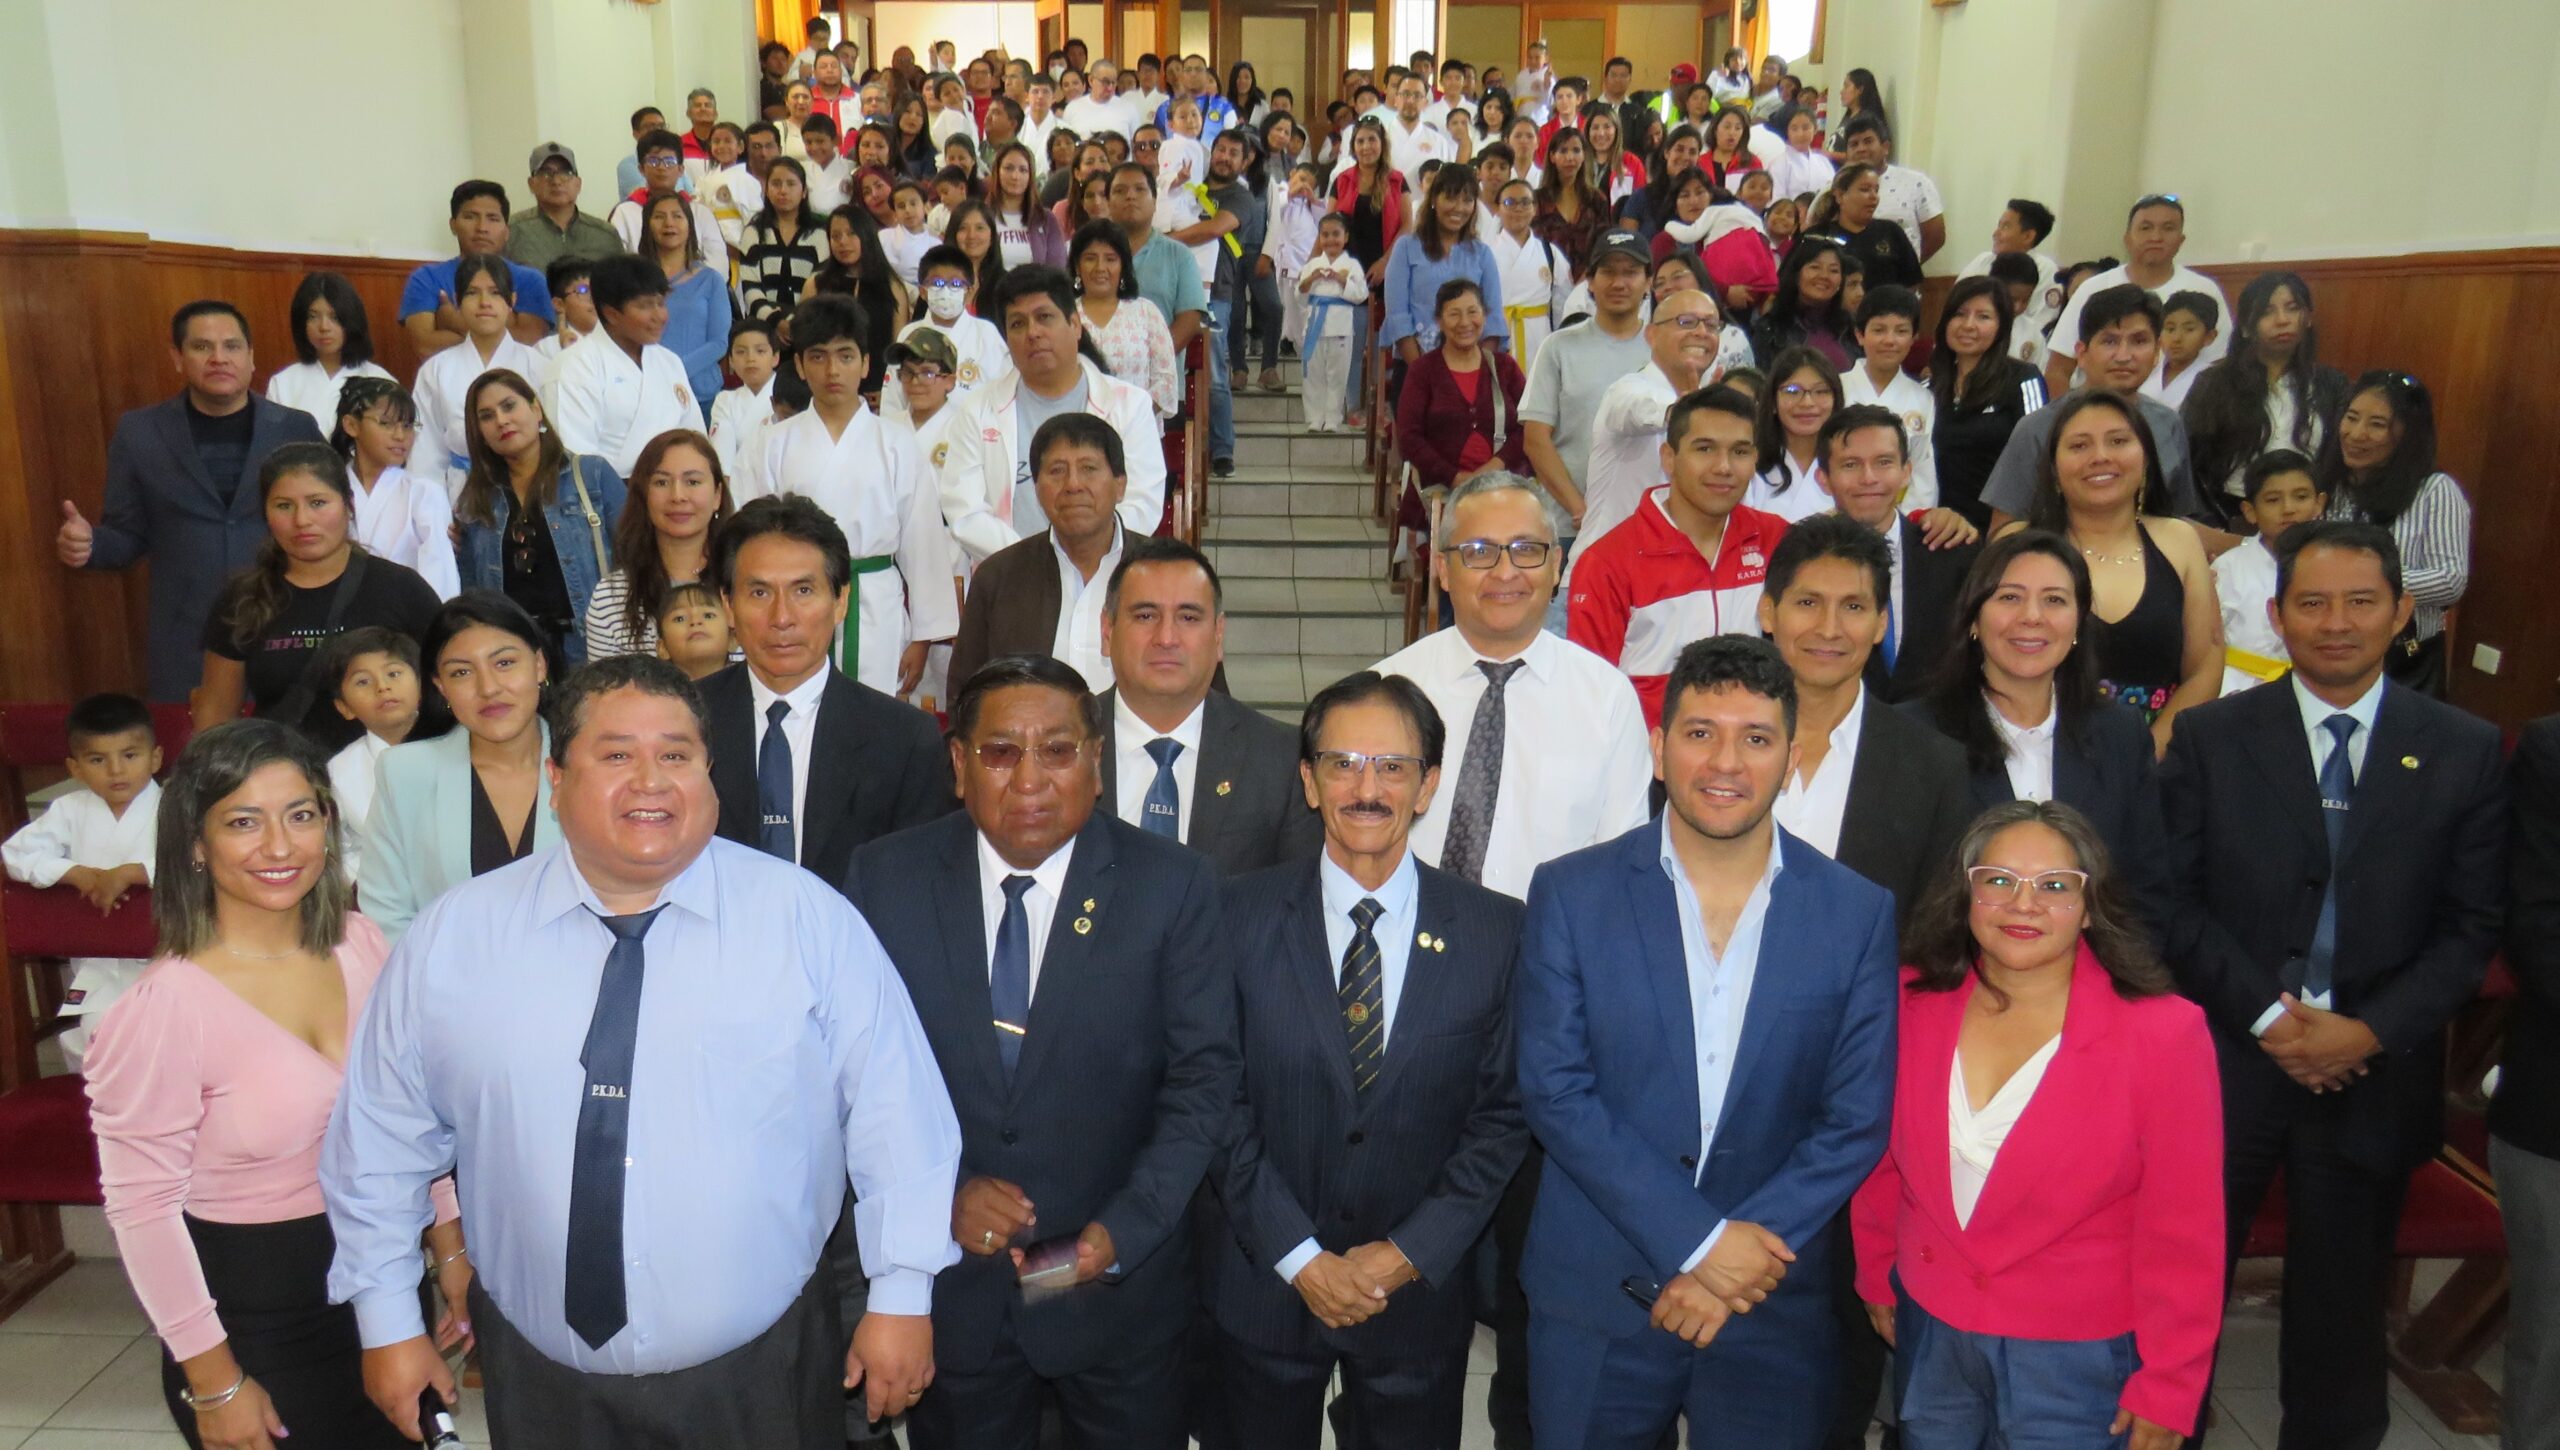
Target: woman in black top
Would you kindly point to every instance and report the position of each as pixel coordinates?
(1807, 311)
(1981, 390)
(2270, 392)
(311, 581)
(1847, 214)
(857, 266)
(917, 156)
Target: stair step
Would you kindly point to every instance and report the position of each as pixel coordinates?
(1289, 634)
(1229, 499)
(1276, 529)
(1293, 448)
(1249, 597)
(1277, 682)
(1353, 561)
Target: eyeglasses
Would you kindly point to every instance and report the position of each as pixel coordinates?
(946, 284)
(1485, 553)
(576, 289)
(1517, 201)
(1347, 766)
(1689, 321)
(1005, 756)
(1801, 390)
(921, 373)
(2047, 890)
(661, 163)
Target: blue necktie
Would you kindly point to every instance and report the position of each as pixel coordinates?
(1009, 978)
(594, 1300)
(1892, 633)
(1162, 812)
(2337, 792)
(773, 784)
(1363, 994)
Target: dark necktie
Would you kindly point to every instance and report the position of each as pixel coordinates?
(593, 1299)
(773, 784)
(1162, 811)
(2337, 794)
(1364, 996)
(1009, 977)
(1480, 779)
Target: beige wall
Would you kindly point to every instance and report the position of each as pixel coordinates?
(1485, 36)
(970, 27)
(1656, 36)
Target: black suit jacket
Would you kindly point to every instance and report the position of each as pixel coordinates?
(1421, 1158)
(2105, 772)
(1125, 1086)
(1012, 608)
(876, 765)
(1908, 804)
(2421, 897)
(1248, 809)
(1932, 584)
(2526, 1111)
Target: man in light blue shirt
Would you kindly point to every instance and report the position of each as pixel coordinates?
(653, 1058)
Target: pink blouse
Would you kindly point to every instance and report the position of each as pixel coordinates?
(204, 1105)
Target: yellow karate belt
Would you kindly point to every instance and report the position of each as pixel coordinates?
(2255, 666)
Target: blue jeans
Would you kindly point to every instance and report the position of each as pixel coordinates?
(1222, 403)
(1955, 1390)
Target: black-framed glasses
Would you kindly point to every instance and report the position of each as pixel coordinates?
(1485, 553)
(1006, 756)
(1805, 390)
(2050, 890)
(1350, 765)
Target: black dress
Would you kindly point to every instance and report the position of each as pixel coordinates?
(2142, 657)
(490, 848)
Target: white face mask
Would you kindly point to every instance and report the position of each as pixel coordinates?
(945, 303)
(1058, 70)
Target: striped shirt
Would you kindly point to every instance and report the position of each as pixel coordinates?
(772, 271)
(2434, 535)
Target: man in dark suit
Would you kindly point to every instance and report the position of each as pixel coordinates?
(1706, 1015)
(2524, 1118)
(1380, 1117)
(1866, 465)
(2337, 849)
(182, 490)
(1873, 789)
(1018, 600)
(1070, 975)
(841, 764)
(1179, 758)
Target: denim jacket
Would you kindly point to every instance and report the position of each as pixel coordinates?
(586, 551)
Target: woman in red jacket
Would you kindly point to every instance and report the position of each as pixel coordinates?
(1370, 195)
(1459, 414)
(2043, 1242)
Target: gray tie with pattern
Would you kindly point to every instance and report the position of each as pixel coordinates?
(1480, 779)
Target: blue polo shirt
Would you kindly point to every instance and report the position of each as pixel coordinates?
(533, 294)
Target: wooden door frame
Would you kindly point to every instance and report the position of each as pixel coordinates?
(1534, 13)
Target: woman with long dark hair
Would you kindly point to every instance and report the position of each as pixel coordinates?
(665, 541)
(1859, 96)
(1847, 215)
(857, 266)
(1244, 93)
(210, 1087)
(2269, 391)
(1370, 195)
(2153, 619)
(2379, 467)
(1647, 209)
(1728, 156)
(972, 229)
(1615, 172)
(697, 330)
(1803, 393)
(1806, 310)
(310, 581)
(785, 243)
(1025, 230)
(1571, 211)
(484, 293)
(917, 158)
(332, 346)
(1441, 248)
(2042, 1243)
(535, 518)
(1982, 392)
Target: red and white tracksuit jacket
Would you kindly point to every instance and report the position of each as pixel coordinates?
(1643, 591)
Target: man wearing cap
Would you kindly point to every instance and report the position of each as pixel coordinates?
(553, 227)
(1666, 102)
(1574, 369)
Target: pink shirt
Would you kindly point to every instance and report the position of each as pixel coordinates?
(204, 1106)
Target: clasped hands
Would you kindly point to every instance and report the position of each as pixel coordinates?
(988, 1214)
(2322, 1050)
(1740, 1271)
(1347, 1288)
(105, 887)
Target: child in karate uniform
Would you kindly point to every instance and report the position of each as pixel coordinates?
(1535, 277)
(99, 840)
(372, 674)
(406, 520)
(2281, 493)
(1288, 242)
(950, 296)
(738, 412)
(1331, 283)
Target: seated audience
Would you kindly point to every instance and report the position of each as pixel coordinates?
(97, 838)
(332, 345)
(1459, 413)
(478, 211)
(534, 517)
(683, 498)
(2379, 467)
(406, 520)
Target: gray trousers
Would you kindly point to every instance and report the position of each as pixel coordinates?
(2529, 1198)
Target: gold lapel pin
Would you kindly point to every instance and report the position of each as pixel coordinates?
(2408, 762)
(1088, 903)
(1225, 786)
(1084, 925)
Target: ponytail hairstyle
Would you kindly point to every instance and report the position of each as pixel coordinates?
(256, 595)
(357, 398)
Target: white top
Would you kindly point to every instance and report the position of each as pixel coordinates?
(2029, 753)
(953, 121)
(352, 775)
(1626, 449)
(1089, 118)
(1035, 134)
(78, 829)
(1079, 637)
(2066, 327)
(735, 415)
(1577, 764)
(610, 406)
(1039, 904)
(2244, 579)
(734, 195)
(1795, 173)
(1907, 198)
(442, 450)
(1910, 400)
(979, 346)
(2172, 392)
(1137, 769)
(1974, 1138)
(625, 222)
(303, 385)
(408, 521)
(799, 732)
(906, 251)
(982, 472)
(828, 184)
(2043, 305)
(1811, 810)
(1338, 276)
(1407, 149)
(1804, 497)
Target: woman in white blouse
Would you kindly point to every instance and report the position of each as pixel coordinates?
(2022, 699)
(1136, 345)
(397, 517)
(333, 340)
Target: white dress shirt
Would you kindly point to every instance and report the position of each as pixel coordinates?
(1577, 764)
(2315, 712)
(1626, 449)
(2066, 327)
(1137, 769)
(2027, 752)
(1079, 637)
(1974, 1137)
(1399, 900)
(1039, 903)
(1811, 810)
(1719, 996)
(799, 732)
(606, 404)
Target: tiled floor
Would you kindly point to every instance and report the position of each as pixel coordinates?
(80, 1371)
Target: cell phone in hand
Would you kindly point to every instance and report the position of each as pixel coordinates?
(436, 1421)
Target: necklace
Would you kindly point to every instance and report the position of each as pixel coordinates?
(2132, 558)
(258, 956)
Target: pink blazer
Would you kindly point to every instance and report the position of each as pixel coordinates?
(2103, 1212)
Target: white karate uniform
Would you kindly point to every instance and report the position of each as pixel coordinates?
(960, 120)
(1288, 240)
(828, 184)
(442, 452)
(625, 222)
(610, 406)
(2172, 392)
(305, 386)
(735, 195)
(352, 774)
(1035, 134)
(1535, 283)
(79, 829)
(2244, 579)
(871, 482)
(1408, 149)
(409, 521)
(735, 415)
(1327, 349)
(982, 355)
(1909, 399)
(906, 251)
(1795, 173)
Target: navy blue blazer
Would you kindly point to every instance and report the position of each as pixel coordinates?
(1125, 1086)
(1421, 1158)
(196, 530)
(1609, 1080)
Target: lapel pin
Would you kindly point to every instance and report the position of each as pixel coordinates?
(1084, 925)
(1088, 903)
(2408, 762)
(1225, 786)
